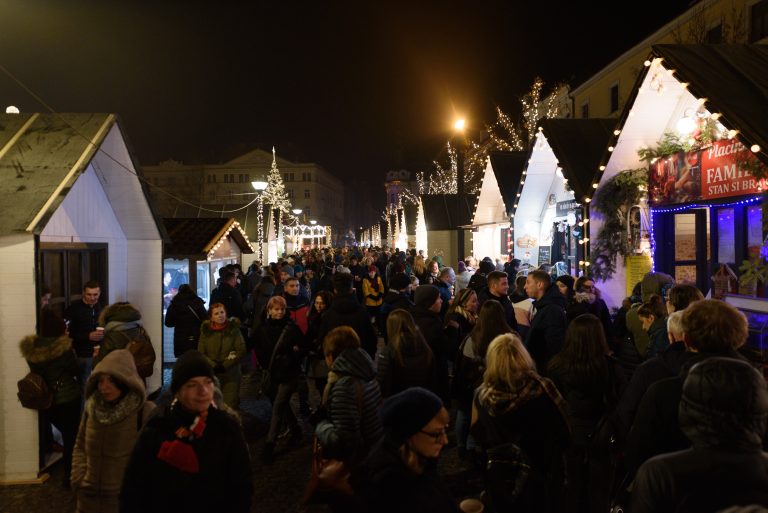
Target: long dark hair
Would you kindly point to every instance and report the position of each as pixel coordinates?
(582, 357)
(401, 332)
(491, 323)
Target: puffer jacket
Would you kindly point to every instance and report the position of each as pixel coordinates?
(107, 434)
(122, 324)
(352, 401)
(54, 359)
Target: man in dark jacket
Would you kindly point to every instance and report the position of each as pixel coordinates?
(723, 412)
(711, 328)
(228, 295)
(426, 315)
(398, 296)
(547, 332)
(498, 287)
(346, 311)
(83, 317)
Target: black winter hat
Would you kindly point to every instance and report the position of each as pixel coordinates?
(486, 267)
(399, 281)
(405, 414)
(191, 364)
(425, 295)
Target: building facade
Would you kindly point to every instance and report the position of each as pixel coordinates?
(219, 190)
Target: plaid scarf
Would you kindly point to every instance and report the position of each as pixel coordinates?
(500, 401)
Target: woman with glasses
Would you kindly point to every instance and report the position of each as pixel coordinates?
(516, 405)
(401, 473)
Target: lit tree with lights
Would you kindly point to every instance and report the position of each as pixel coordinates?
(276, 197)
(442, 179)
(506, 136)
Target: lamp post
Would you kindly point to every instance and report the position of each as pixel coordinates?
(297, 233)
(458, 127)
(260, 186)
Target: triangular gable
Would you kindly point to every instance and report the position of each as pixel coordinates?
(441, 211)
(579, 146)
(258, 157)
(508, 169)
(196, 237)
(733, 79)
(41, 157)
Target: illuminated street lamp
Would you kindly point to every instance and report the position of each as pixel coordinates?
(260, 186)
(312, 222)
(458, 128)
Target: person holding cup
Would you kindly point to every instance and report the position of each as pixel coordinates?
(82, 317)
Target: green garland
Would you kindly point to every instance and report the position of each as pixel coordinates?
(613, 200)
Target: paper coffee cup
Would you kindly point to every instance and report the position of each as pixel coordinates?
(471, 506)
(99, 328)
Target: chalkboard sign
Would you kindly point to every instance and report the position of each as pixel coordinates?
(545, 255)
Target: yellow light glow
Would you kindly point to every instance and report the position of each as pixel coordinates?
(459, 124)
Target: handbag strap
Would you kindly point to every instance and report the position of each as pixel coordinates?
(277, 346)
(193, 312)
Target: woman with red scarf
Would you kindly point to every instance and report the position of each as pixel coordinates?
(192, 457)
(221, 342)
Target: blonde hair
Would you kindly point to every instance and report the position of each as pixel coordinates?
(419, 267)
(507, 361)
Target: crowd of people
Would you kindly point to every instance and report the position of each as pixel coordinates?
(557, 404)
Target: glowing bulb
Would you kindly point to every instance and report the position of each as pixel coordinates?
(646, 64)
(602, 168)
(755, 148)
(594, 186)
(459, 124)
(732, 133)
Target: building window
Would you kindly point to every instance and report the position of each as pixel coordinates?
(226, 178)
(309, 176)
(714, 35)
(290, 193)
(307, 210)
(306, 193)
(758, 18)
(585, 110)
(614, 92)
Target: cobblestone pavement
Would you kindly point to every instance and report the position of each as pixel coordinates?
(278, 487)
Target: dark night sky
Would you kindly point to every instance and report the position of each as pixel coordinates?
(358, 87)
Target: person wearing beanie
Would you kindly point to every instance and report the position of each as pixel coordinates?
(116, 407)
(426, 314)
(479, 280)
(401, 473)
(462, 277)
(723, 412)
(50, 355)
(192, 456)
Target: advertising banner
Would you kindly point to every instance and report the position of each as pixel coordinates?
(709, 173)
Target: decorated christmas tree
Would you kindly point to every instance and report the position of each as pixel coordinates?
(277, 198)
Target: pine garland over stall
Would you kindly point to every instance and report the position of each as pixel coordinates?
(614, 200)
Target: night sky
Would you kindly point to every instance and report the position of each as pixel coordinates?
(358, 87)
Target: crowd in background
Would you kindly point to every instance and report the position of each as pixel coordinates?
(559, 404)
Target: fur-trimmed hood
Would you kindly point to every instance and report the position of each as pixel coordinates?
(119, 312)
(233, 324)
(119, 364)
(37, 349)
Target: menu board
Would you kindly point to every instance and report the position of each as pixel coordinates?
(707, 173)
(545, 255)
(637, 267)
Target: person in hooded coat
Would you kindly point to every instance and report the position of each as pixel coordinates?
(185, 315)
(116, 408)
(51, 355)
(350, 400)
(723, 412)
(122, 324)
